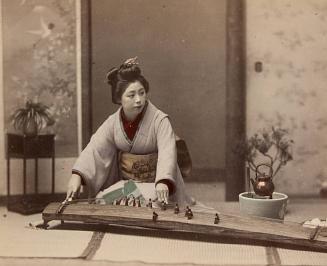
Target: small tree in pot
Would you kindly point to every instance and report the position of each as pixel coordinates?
(32, 118)
(265, 154)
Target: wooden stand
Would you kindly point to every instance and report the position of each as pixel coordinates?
(30, 147)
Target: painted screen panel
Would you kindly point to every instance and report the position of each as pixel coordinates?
(39, 55)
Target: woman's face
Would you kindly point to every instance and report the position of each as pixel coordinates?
(133, 100)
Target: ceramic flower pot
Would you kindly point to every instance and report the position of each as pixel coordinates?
(273, 208)
(30, 128)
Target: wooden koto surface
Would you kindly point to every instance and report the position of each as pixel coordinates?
(230, 226)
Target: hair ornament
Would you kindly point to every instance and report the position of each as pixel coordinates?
(130, 62)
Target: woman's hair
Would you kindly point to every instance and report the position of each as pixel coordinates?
(120, 78)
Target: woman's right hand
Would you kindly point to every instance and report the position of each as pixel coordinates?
(74, 186)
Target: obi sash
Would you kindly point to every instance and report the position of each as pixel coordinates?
(140, 168)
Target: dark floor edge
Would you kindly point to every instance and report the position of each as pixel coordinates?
(41, 198)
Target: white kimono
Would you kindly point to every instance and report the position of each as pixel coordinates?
(98, 162)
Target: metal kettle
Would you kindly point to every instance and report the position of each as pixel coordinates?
(262, 184)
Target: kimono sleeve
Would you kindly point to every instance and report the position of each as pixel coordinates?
(98, 158)
(167, 152)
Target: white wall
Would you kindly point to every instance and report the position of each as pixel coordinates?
(289, 37)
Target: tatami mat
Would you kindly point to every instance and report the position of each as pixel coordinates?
(16, 240)
(118, 247)
(298, 257)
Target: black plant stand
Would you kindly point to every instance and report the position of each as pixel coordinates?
(30, 147)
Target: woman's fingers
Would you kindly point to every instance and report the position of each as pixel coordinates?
(162, 192)
(74, 186)
(166, 195)
(163, 195)
(160, 195)
(70, 195)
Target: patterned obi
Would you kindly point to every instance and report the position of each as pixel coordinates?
(140, 168)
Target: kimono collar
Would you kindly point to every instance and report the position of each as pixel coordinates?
(130, 127)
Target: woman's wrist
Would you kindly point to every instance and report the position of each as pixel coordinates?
(74, 186)
(74, 172)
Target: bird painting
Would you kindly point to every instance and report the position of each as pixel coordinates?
(45, 29)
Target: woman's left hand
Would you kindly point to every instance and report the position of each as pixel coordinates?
(162, 192)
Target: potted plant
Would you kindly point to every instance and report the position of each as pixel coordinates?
(265, 154)
(32, 118)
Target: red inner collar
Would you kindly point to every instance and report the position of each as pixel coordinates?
(130, 127)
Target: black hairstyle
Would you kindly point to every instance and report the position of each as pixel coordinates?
(120, 78)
